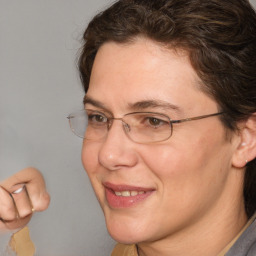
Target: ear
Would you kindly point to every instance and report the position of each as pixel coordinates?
(246, 149)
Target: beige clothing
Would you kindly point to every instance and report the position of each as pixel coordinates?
(21, 244)
(125, 250)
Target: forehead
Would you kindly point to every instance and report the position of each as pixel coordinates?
(124, 74)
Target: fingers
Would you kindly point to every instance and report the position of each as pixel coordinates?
(15, 209)
(35, 188)
(9, 211)
(22, 202)
(20, 196)
(7, 207)
(40, 200)
(16, 204)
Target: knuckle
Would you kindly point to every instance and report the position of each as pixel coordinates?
(43, 202)
(24, 212)
(8, 214)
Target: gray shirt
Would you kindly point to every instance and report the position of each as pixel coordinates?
(246, 243)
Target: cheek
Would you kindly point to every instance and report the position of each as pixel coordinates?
(184, 181)
(167, 162)
(171, 171)
(90, 163)
(185, 166)
(90, 158)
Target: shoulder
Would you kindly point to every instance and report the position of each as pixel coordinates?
(124, 250)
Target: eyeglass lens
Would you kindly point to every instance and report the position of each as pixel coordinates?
(139, 127)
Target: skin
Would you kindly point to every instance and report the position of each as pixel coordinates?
(36, 198)
(197, 204)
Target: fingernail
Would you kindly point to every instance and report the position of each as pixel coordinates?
(18, 190)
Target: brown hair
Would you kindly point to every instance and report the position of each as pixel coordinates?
(219, 36)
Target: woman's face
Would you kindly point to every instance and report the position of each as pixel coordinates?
(152, 191)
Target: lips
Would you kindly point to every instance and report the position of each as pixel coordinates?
(124, 196)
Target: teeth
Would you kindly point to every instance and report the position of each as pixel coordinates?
(128, 193)
(134, 193)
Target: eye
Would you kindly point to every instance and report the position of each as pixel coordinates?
(151, 121)
(96, 118)
(155, 122)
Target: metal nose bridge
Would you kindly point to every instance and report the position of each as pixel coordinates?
(126, 126)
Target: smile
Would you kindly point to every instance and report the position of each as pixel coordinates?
(125, 196)
(128, 193)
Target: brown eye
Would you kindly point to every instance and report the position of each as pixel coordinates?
(154, 121)
(99, 118)
(96, 118)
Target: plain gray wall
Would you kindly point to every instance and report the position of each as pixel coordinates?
(39, 87)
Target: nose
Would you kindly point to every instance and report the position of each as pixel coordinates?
(117, 150)
(126, 126)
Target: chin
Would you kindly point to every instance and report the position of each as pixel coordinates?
(126, 232)
(124, 238)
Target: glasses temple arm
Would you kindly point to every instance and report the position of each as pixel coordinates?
(195, 118)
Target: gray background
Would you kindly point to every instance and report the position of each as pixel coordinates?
(39, 87)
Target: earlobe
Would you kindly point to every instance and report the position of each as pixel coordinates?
(246, 149)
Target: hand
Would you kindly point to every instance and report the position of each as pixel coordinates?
(21, 195)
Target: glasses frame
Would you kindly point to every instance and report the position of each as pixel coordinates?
(126, 126)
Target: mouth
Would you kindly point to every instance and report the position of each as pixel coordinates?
(129, 193)
(125, 196)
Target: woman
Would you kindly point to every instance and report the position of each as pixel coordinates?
(170, 143)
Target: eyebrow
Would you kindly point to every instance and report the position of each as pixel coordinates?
(140, 105)
(95, 103)
(154, 103)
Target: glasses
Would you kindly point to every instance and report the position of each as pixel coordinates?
(140, 127)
